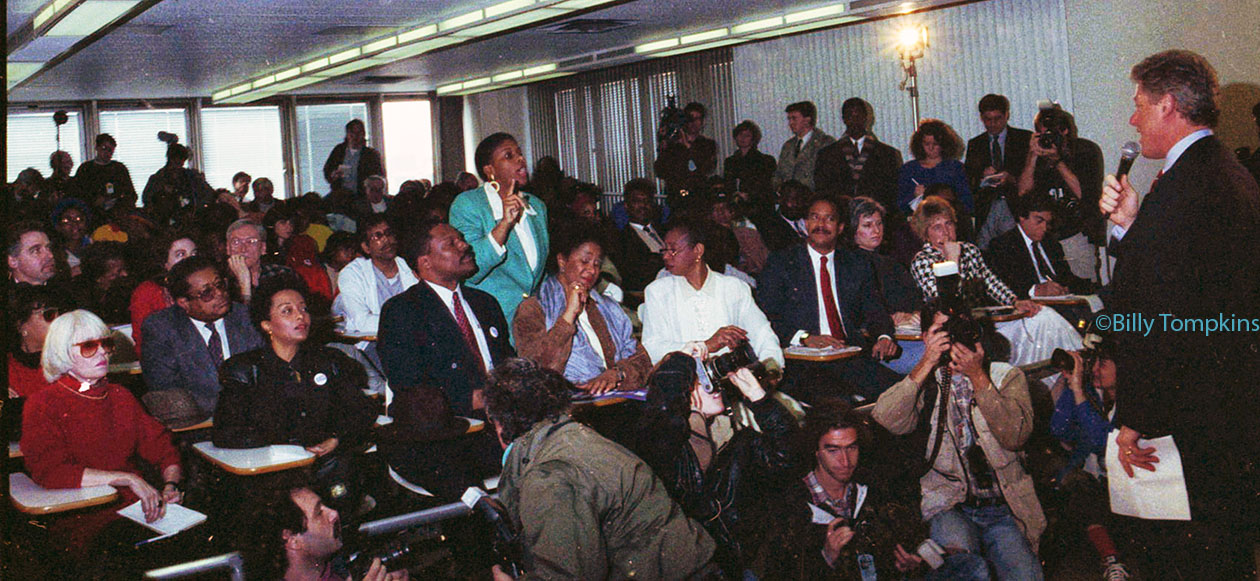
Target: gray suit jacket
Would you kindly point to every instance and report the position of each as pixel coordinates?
(800, 167)
(175, 355)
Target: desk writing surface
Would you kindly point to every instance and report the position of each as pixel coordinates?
(15, 449)
(32, 498)
(249, 461)
(129, 368)
(802, 353)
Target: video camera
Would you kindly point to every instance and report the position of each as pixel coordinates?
(672, 120)
(718, 368)
(401, 551)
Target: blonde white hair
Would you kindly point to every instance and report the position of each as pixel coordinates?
(63, 334)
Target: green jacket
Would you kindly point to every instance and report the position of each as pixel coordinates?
(589, 509)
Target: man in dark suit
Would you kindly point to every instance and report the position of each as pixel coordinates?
(438, 341)
(819, 295)
(996, 157)
(638, 248)
(782, 226)
(185, 343)
(352, 162)
(1028, 261)
(1189, 252)
(857, 164)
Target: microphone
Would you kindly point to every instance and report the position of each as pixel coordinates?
(506, 543)
(1128, 154)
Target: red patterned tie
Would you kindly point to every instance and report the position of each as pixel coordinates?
(465, 327)
(829, 301)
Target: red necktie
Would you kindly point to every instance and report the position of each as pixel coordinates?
(1155, 182)
(829, 301)
(470, 338)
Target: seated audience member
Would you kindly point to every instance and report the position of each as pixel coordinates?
(1253, 163)
(748, 170)
(836, 527)
(714, 462)
(977, 498)
(187, 342)
(240, 189)
(466, 181)
(896, 289)
(30, 253)
(342, 248)
(280, 223)
(246, 246)
(506, 226)
(723, 249)
(1028, 261)
(1068, 169)
(752, 250)
(783, 225)
(368, 281)
(375, 200)
(639, 246)
(289, 533)
(289, 392)
(264, 197)
(842, 309)
(83, 430)
(104, 286)
(70, 220)
(571, 328)
(31, 310)
(153, 294)
(936, 149)
(1033, 338)
(312, 212)
(437, 342)
(1086, 401)
(586, 507)
(963, 225)
(693, 303)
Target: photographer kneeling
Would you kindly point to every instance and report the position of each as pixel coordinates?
(977, 497)
(1084, 408)
(719, 463)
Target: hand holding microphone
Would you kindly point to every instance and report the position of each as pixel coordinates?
(1119, 201)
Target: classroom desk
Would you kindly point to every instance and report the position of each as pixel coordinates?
(799, 353)
(15, 450)
(204, 425)
(32, 498)
(254, 461)
(128, 368)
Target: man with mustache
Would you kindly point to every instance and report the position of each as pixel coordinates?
(819, 295)
(438, 341)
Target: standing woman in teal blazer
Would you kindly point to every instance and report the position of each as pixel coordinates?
(506, 227)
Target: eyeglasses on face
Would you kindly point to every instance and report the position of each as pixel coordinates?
(243, 242)
(208, 293)
(89, 348)
(380, 235)
(49, 313)
(673, 251)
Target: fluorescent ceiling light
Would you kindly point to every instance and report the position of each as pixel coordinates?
(417, 33)
(379, 45)
(242, 88)
(459, 21)
(757, 25)
(804, 27)
(344, 56)
(700, 47)
(263, 82)
(350, 67)
(703, 36)
(449, 88)
(289, 74)
(505, 7)
(538, 70)
(44, 15)
(18, 72)
(655, 46)
(483, 81)
(315, 65)
(823, 12)
(579, 4)
(221, 95)
(508, 23)
(90, 17)
(419, 48)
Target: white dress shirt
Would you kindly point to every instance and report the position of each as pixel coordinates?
(522, 229)
(824, 327)
(651, 237)
(859, 143)
(1032, 253)
(448, 298)
(1173, 154)
(205, 335)
(675, 313)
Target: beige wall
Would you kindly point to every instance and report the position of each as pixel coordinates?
(503, 110)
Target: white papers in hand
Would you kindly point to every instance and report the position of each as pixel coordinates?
(178, 518)
(820, 516)
(1158, 495)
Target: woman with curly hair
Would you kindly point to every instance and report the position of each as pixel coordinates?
(936, 149)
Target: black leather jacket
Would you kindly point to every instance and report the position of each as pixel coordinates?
(732, 498)
(266, 400)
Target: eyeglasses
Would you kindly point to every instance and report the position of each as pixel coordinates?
(241, 242)
(667, 251)
(89, 348)
(72, 219)
(49, 313)
(208, 293)
(380, 235)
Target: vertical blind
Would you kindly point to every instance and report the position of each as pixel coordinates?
(138, 145)
(1018, 48)
(408, 141)
(244, 139)
(33, 137)
(604, 122)
(320, 128)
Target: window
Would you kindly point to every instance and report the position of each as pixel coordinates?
(244, 139)
(138, 145)
(408, 141)
(320, 128)
(33, 137)
(621, 122)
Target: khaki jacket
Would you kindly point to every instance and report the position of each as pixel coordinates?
(1003, 425)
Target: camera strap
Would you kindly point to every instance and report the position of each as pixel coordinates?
(935, 397)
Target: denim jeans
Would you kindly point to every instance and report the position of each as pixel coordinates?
(990, 531)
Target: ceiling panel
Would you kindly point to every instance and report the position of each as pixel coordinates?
(182, 48)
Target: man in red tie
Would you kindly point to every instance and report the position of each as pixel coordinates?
(822, 295)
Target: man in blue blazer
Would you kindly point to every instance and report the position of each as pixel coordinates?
(185, 343)
(506, 227)
(841, 313)
(438, 340)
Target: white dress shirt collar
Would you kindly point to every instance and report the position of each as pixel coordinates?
(1181, 146)
(448, 298)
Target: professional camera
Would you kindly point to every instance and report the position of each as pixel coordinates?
(1062, 360)
(961, 329)
(1056, 125)
(719, 367)
(672, 120)
(167, 138)
(401, 551)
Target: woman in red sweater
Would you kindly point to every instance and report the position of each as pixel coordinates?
(151, 295)
(31, 309)
(84, 431)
